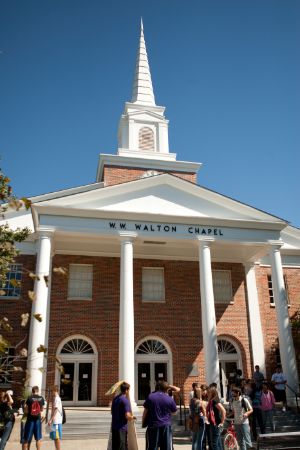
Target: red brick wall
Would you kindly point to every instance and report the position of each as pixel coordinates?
(177, 321)
(117, 174)
(268, 313)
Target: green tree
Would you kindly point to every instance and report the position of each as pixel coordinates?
(8, 253)
(9, 237)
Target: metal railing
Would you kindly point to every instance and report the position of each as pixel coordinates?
(297, 396)
(182, 412)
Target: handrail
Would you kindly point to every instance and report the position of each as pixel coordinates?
(181, 406)
(180, 410)
(297, 395)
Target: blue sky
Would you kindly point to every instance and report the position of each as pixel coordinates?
(228, 72)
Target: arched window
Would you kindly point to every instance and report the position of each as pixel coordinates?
(225, 346)
(146, 139)
(78, 346)
(152, 347)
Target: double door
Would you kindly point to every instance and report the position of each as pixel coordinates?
(148, 374)
(76, 383)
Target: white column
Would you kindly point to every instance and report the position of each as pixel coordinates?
(126, 320)
(286, 344)
(38, 335)
(209, 328)
(163, 140)
(256, 333)
(133, 143)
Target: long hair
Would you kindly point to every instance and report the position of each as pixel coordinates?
(213, 394)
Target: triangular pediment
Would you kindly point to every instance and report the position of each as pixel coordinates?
(159, 196)
(146, 116)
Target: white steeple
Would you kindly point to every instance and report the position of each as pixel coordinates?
(143, 128)
(142, 92)
(143, 138)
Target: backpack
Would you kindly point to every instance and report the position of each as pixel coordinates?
(35, 408)
(64, 417)
(244, 403)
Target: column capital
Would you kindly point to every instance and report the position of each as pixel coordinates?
(127, 236)
(46, 232)
(275, 244)
(249, 265)
(205, 241)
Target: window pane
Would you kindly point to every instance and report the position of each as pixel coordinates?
(80, 281)
(153, 284)
(12, 286)
(222, 286)
(271, 293)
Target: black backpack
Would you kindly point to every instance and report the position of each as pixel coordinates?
(64, 417)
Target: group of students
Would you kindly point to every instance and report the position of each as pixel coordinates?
(32, 410)
(250, 403)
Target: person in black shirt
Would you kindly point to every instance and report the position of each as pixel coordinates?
(33, 427)
(7, 416)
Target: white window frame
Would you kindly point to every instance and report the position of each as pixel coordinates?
(228, 301)
(70, 280)
(271, 292)
(158, 300)
(11, 271)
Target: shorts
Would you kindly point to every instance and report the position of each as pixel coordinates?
(56, 431)
(33, 428)
(280, 395)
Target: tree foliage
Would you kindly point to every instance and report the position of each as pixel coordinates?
(9, 237)
(8, 253)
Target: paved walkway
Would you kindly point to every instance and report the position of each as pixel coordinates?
(90, 444)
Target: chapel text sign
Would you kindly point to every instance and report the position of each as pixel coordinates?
(165, 228)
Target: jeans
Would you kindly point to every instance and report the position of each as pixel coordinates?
(243, 435)
(119, 439)
(198, 438)
(159, 437)
(257, 420)
(6, 433)
(268, 416)
(215, 437)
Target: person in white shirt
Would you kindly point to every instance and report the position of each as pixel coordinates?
(279, 381)
(55, 421)
(241, 409)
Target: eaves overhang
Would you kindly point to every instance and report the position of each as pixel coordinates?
(66, 192)
(38, 210)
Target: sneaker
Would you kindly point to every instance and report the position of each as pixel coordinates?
(284, 409)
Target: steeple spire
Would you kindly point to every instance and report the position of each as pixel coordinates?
(142, 92)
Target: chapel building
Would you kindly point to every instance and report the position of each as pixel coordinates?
(165, 279)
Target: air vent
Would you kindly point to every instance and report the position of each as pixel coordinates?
(155, 242)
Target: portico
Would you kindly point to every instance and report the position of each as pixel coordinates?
(92, 232)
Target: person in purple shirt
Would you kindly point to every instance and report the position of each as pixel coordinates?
(158, 408)
(121, 413)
